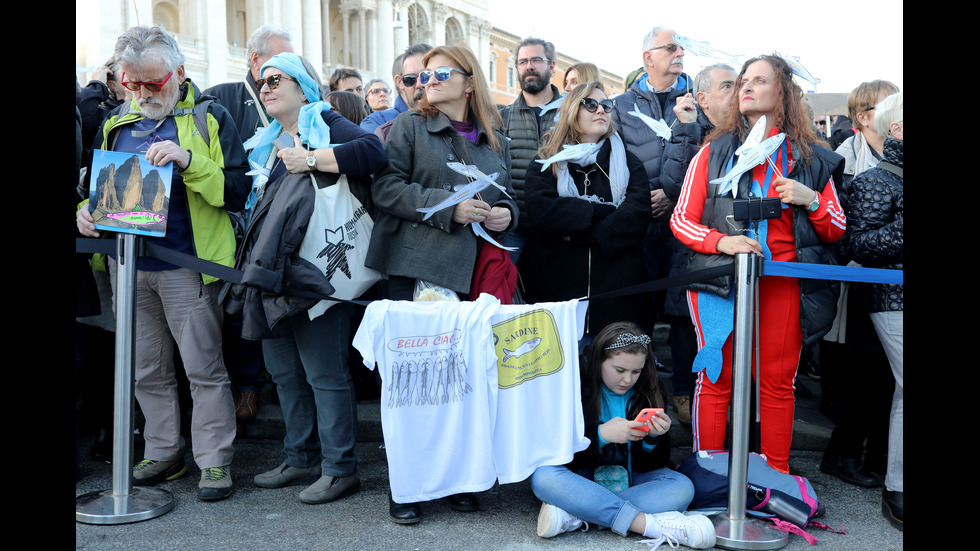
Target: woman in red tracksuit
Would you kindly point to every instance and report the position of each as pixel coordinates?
(801, 174)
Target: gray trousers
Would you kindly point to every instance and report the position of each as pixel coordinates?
(890, 327)
(175, 306)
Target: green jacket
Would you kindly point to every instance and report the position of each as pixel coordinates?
(215, 177)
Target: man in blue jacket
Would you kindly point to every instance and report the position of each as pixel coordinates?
(406, 76)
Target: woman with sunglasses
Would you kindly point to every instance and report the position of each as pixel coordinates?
(589, 207)
(454, 122)
(305, 347)
(793, 312)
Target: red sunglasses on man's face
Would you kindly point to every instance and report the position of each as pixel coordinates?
(151, 86)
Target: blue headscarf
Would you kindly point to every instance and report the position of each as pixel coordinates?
(312, 129)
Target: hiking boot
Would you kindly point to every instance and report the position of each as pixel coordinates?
(215, 483)
(682, 404)
(247, 406)
(695, 531)
(148, 471)
(284, 475)
(553, 521)
(330, 488)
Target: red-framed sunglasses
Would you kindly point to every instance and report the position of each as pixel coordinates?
(151, 86)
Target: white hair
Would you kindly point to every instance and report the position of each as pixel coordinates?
(134, 45)
(650, 40)
(259, 41)
(891, 109)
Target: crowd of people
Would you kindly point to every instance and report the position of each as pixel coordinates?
(574, 189)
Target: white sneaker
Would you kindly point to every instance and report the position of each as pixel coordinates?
(553, 521)
(696, 531)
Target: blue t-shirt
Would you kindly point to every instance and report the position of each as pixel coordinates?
(179, 236)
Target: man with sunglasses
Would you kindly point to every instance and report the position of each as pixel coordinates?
(525, 122)
(175, 303)
(405, 73)
(654, 93)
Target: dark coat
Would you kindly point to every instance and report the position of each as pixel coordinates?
(269, 253)
(875, 226)
(436, 250)
(818, 297)
(577, 248)
(235, 98)
(525, 129)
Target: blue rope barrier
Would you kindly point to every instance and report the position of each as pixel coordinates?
(840, 273)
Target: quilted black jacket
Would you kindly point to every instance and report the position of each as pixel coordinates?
(875, 224)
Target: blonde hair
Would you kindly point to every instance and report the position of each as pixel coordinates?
(567, 130)
(587, 72)
(865, 96)
(480, 102)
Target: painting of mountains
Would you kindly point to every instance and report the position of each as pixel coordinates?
(128, 194)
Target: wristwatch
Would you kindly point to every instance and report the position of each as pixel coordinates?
(311, 161)
(815, 204)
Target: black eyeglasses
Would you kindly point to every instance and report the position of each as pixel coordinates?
(273, 81)
(409, 80)
(670, 47)
(442, 74)
(592, 105)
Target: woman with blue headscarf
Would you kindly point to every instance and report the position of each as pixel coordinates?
(305, 346)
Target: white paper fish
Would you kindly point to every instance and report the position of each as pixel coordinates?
(570, 151)
(260, 171)
(479, 230)
(659, 128)
(463, 192)
(799, 70)
(750, 154)
(703, 49)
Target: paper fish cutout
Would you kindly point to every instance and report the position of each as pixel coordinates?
(481, 181)
(703, 49)
(570, 151)
(750, 154)
(479, 230)
(799, 70)
(659, 128)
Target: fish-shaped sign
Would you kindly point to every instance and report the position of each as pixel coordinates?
(750, 154)
(461, 193)
(703, 49)
(524, 348)
(799, 70)
(659, 128)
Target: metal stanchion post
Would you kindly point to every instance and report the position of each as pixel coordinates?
(123, 503)
(733, 529)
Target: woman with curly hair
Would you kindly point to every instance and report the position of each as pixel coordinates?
(793, 312)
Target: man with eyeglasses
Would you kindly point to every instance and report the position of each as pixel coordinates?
(244, 357)
(241, 98)
(405, 73)
(655, 93)
(526, 120)
(174, 303)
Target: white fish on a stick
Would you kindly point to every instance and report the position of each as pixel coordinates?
(750, 154)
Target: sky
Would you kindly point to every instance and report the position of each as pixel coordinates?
(610, 33)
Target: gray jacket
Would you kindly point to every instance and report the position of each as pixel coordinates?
(437, 250)
(523, 128)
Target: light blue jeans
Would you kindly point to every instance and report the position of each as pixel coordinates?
(890, 327)
(575, 492)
